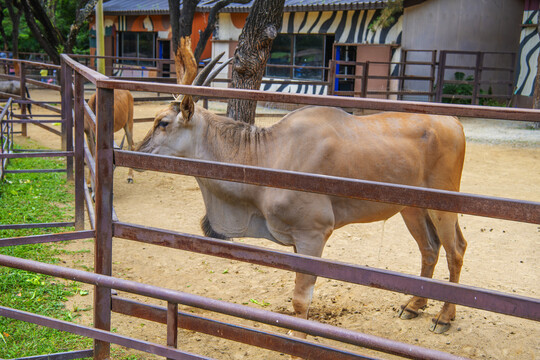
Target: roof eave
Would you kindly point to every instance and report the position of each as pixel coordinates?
(374, 5)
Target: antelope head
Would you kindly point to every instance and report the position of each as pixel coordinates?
(172, 130)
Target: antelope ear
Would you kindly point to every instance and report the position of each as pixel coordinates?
(187, 106)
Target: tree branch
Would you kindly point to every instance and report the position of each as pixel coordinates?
(38, 12)
(81, 18)
(49, 47)
(212, 20)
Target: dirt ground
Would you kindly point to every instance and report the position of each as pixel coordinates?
(502, 159)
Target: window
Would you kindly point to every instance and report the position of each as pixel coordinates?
(137, 45)
(297, 57)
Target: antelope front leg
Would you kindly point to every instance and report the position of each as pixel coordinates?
(302, 296)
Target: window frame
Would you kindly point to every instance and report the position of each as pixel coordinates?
(292, 58)
(139, 61)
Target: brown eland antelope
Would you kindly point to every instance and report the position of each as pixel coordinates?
(123, 119)
(13, 87)
(410, 149)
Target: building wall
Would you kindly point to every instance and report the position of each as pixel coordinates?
(159, 24)
(467, 25)
(474, 25)
(529, 45)
(350, 27)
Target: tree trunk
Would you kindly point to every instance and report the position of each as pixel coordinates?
(15, 17)
(262, 26)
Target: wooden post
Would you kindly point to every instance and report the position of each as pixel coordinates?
(103, 192)
(79, 152)
(22, 82)
(172, 325)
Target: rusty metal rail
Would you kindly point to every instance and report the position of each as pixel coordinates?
(98, 334)
(256, 337)
(47, 238)
(490, 112)
(508, 209)
(508, 304)
(223, 307)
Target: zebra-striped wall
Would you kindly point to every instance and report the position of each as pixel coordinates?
(350, 27)
(528, 55)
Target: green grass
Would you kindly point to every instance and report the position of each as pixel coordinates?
(35, 198)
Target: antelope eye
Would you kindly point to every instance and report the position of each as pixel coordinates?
(163, 124)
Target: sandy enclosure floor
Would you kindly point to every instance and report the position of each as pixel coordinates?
(502, 159)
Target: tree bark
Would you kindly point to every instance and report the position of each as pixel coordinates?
(261, 28)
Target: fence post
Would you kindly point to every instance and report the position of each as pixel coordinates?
(331, 77)
(511, 79)
(103, 188)
(440, 76)
(477, 77)
(22, 82)
(67, 116)
(172, 325)
(402, 73)
(79, 152)
(365, 75)
(432, 74)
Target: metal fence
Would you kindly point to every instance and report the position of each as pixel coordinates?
(105, 226)
(23, 118)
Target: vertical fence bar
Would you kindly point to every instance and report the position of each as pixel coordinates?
(432, 74)
(511, 77)
(365, 75)
(477, 77)
(402, 69)
(79, 152)
(440, 76)
(331, 77)
(172, 325)
(22, 82)
(67, 116)
(103, 203)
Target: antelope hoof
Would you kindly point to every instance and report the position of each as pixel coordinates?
(439, 327)
(130, 181)
(407, 314)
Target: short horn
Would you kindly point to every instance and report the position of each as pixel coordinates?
(203, 74)
(177, 99)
